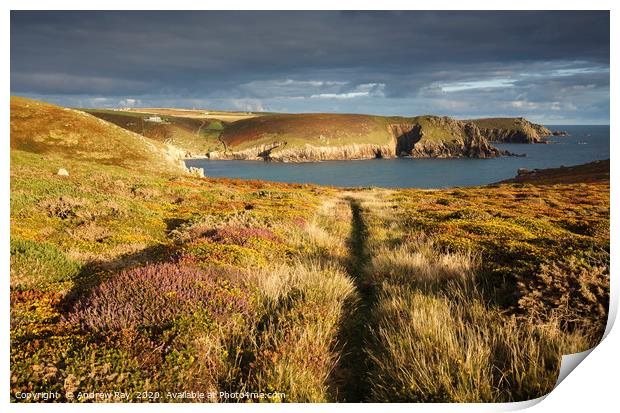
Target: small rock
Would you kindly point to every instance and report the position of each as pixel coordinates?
(62, 172)
(523, 171)
(197, 172)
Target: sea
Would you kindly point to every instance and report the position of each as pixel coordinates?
(585, 143)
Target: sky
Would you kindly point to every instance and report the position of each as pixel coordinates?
(549, 66)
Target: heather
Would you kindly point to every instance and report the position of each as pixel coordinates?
(154, 296)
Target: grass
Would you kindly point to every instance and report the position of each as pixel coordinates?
(130, 278)
(296, 130)
(194, 136)
(439, 332)
(39, 265)
(511, 129)
(51, 130)
(436, 339)
(499, 123)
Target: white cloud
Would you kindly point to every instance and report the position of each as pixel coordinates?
(315, 83)
(288, 88)
(250, 105)
(348, 95)
(363, 90)
(129, 103)
(477, 84)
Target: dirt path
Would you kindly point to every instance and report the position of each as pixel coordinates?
(349, 379)
(202, 124)
(344, 224)
(353, 364)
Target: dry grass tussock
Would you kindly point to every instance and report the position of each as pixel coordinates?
(324, 238)
(296, 348)
(420, 265)
(436, 340)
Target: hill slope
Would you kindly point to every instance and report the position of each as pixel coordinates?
(312, 137)
(196, 136)
(43, 128)
(592, 172)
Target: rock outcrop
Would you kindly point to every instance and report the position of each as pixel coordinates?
(519, 131)
(442, 137)
(559, 133)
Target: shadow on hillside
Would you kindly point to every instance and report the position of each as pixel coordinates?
(94, 272)
(349, 376)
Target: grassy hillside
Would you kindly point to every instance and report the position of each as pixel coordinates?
(298, 129)
(195, 136)
(199, 133)
(316, 136)
(135, 280)
(330, 130)
(55, 132)
(498, 123)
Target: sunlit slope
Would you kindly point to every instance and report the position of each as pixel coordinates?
(193, 135)
(43, 128)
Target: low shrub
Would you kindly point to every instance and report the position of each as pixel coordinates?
(154, 296)
(38, 265)
(573, 290)
(240, 235)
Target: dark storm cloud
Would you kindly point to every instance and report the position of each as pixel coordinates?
(302, 61)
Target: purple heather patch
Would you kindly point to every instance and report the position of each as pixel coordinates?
(155, 295)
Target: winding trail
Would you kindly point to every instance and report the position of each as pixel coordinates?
(202, 124)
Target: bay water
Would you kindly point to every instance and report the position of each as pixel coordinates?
(585, 143)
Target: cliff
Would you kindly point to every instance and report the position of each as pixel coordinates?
(442, 137)
(512, 130)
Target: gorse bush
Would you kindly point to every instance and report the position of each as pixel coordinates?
(154, 296)
(240, 235)
(573, 291)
